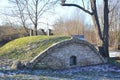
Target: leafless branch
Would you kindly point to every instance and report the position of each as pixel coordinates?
(75, 5)
(83, 4)
(114, 6)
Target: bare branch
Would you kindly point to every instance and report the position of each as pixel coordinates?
(83, 4)
(75, 5)
(41, 10)
(114, 6)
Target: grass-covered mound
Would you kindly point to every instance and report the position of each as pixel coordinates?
(27, 48)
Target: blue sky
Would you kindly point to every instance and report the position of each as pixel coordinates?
(66, 12)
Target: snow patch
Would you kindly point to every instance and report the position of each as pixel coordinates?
(114, 54)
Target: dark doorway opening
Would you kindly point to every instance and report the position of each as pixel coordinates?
(73, 60)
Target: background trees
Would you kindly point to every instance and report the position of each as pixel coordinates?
(8, 33)
(103, 34)
(114, 23)
(75, 26)
(29, 12)
(70, 26)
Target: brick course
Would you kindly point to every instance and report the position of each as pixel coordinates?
(58, 55)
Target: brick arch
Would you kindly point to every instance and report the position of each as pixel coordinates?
(50, 49)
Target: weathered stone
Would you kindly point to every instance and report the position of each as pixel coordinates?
(28, 65)
(17, 65)
(59, 55)
(51, 62)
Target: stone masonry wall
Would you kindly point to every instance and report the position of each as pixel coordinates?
(58, 55)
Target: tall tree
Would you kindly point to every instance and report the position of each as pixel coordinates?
(32, 10)
(36, 8)
(22, 14)
(113, 21)
(103, 35)
(19, 11)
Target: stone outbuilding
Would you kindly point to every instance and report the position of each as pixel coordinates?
(68, 54)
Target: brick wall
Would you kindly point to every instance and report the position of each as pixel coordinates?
(58, 55)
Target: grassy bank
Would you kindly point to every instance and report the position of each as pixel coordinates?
(28, 47)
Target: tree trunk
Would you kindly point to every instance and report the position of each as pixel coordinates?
(95, 18)
(106, 30)
(36, 17)
(105, 35)
(35, 32)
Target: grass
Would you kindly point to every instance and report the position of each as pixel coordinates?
(21, 42)
(28, 47)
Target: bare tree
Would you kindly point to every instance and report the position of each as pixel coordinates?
(114, 22)
(36, 8)
(22, 15)
(30, 11)
(19, 12)
(103, 35)
(70, 26)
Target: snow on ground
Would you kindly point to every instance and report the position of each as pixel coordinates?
(98, 72)
(114, 53)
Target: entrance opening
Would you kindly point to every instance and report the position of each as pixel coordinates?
(73, 60)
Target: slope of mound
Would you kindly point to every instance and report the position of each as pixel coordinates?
(27, 48)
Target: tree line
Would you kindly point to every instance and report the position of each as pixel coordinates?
(8, 33)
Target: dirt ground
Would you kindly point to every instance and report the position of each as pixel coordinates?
(98, 72)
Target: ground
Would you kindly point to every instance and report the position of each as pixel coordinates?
(98, 72)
